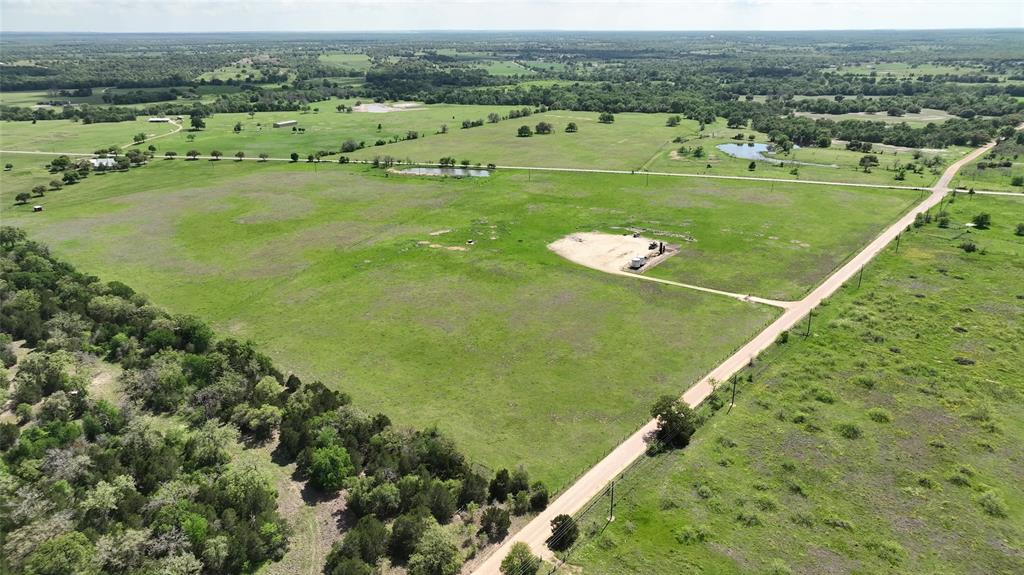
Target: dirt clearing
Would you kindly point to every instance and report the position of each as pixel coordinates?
(610, 253)
(377, 108)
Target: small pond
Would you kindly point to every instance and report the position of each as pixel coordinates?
(757, 152)
(451, 172)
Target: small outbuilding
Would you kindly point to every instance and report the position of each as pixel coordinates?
(37, 208)
(105, 162)
(159, 120)
(285, 123)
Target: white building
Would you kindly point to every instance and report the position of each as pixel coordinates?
(159, 120)
(105, 162)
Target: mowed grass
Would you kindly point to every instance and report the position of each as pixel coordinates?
(520, 355)
(75, 137)
(890, 441)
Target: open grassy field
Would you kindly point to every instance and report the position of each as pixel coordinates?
(981, 175)
(504, 345)
(345, 60)
(32, 97)
(506, 68)
(632, 142)
(624, 145)
(70, 136)
(888, 442)
(923, 118)
(905, 70)
(834, 164)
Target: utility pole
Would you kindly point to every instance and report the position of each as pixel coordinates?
(898, 236)
(733, 393)
(810, 314)
(611, 507)
(860, 277)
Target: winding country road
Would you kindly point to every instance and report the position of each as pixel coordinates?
(596, 480)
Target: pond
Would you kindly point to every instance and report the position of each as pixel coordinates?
(757, 151)
(450, 172)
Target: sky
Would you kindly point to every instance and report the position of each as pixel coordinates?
(420, 15)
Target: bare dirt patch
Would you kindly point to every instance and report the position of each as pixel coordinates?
(609, 253)
(378, 108)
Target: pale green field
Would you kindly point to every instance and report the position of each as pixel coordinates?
(837, 164)
(504, 345)
(923, 118)
(70, 136)
(506, 68)
(626, 144)
(903, 70)
(354, 61)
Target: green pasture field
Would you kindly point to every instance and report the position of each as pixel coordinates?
(626, 144)
(506, 68)
(77, 137)
(995, 178)
(344, 60)
(846, 162)
(235, 72)
(904, 70)
(325, 130)
(519, 354)
(544, 65)
(919, 120)
(633, 142)
(32, 97)
(890, 441)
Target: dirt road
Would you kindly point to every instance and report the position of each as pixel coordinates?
(595, 480)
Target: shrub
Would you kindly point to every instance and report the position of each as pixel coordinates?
(499, 487)
(802, 519)
(765, 503)
(495, 522)
(564, 532)
(520, 561)
(538, 497)
(879, 415)
(749, 518)
(521, 503)
(779, 567)
(330, 467)
(992, 503)
(982, 221)
(848, 430)
(692, 534)
(838, 523)
(889, 551)
(865, 381)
